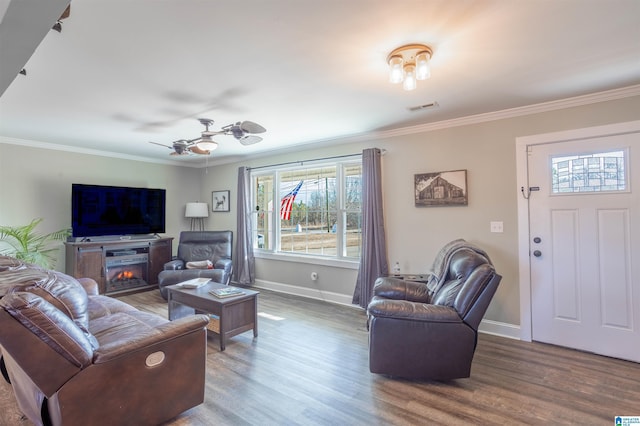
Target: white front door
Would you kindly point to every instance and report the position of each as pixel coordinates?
(584, 215)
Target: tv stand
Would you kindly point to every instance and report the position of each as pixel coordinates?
(92, 259)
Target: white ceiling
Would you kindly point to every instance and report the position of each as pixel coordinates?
(125, 72)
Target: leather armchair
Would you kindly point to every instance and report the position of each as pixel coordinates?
(419, 334)
(198, 246)
(75, 357)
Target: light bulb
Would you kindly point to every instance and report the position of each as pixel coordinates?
(395, 69)
(422, 66)
(409, 77)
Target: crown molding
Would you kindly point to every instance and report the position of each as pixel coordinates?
(593, 98)
(609, 95)
(86, 151)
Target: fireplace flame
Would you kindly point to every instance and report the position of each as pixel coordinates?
(124, 275)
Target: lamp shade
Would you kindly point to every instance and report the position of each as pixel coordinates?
(197, 210)
(422, 66)
(396, 74)
(409, 82)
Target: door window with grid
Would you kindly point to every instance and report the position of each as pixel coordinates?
(596, 172)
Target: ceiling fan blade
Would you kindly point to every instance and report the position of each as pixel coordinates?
(249, 139)
(65, 14)
(197, 150)
(251, 127)
(161, 144)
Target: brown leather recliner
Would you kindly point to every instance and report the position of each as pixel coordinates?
(75, 357)
(198, 246)
(419, 334)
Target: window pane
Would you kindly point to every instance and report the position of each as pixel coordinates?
(603, 171)
(353, 234)
(353, 187)
(308, 211)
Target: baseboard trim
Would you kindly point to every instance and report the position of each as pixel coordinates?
(496, 328)
(501, 329)
(312, 293)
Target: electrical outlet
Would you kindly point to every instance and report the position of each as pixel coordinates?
(497, 227)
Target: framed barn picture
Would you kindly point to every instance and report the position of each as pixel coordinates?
(220, 201)
(441, 189)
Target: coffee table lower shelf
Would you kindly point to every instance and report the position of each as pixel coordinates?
(228, 317)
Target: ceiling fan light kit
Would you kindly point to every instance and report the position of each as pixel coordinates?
(207, 144)
(408, 64)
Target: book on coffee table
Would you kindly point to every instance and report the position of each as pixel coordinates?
(226, 292)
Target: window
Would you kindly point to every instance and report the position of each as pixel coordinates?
(310, 210)
(598, 172)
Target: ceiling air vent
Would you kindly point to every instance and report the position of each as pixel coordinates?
(425, 106)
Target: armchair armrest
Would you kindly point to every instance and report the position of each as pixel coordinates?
(174, 264)
(399, 289)
(225, 264)
(402, 309)
(162, 333)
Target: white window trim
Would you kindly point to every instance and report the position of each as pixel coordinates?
(345, 263)
(334, 261)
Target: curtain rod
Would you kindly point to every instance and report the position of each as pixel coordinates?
(301, 162)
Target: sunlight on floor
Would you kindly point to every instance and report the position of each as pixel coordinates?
(269, 316)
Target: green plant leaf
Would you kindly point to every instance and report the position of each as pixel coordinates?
(24, 243)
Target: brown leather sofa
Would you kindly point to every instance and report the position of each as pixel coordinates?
(417, 333)
(198, 246)
(75, 357)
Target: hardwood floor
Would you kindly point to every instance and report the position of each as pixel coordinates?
(309, 366)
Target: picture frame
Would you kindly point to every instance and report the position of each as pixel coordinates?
(220, 201)
(448, 188)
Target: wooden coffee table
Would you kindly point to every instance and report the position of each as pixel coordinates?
(235, 314)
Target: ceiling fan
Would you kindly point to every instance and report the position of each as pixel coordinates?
(243, 131)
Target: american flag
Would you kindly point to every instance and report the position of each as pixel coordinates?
(287, 202)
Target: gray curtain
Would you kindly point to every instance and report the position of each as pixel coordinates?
(373, 259)
(243, 260)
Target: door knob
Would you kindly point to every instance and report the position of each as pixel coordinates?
(537, 240)
(537, 253)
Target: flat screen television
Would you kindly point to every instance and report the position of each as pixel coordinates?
(98, 210)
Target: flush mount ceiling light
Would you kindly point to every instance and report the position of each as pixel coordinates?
(409, 63)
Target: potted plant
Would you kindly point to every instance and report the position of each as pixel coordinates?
(24, 243)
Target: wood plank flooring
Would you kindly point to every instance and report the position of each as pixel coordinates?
(309, 366)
